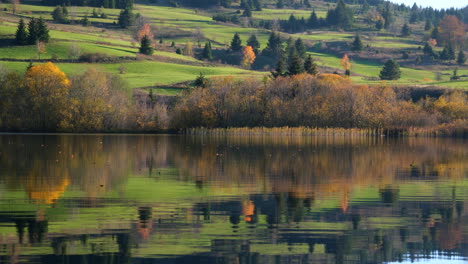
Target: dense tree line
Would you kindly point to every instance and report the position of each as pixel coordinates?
(326, 100)
(121, 4)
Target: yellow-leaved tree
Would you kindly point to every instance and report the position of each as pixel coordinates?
(46, 92)
(249, 57)
(344, 62)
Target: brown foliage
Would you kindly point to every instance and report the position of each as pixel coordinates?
(452, 31)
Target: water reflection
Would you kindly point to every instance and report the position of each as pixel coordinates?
(176, 199)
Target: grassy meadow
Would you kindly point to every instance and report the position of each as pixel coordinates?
(182, 25)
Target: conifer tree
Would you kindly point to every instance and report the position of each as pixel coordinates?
(461, 58)
(21, 37)
(32, 32)
(300, 48)
(43, 31)
(357, 44)
(145, 46)
(280, 69)
(405, 30)
(254, 43)
(207, 51)
(451, 52)
(390, 71)
(280, 4)
(247, 11)
(236, 43)
(274, 46)
(296, 64)
(310, 66)
(313, 21)
(257, 4)
(126, 18)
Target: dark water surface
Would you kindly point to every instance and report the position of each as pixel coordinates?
(177, 199)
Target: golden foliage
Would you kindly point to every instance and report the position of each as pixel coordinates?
(145, 30)
(249, 57)
(344, 62)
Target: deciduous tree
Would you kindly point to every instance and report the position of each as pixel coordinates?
(248, 57)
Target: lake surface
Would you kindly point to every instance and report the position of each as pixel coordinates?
(193, 199)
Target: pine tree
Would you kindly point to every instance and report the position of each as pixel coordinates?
(307, 4)
(405, 30)
(126, 18)
(300, 48)
(390, 71)
(206, 54)
(145, 46)
(280, 4)
(461, 58)
(296, 65)
(280, 69)
(435, 34)
(32, 32)
(274, 46)
(236, 43)
(257, 4)
(451, 52)
(313, 21)
(253, 42)
(42, 31)
(444, 55)
(357, 44)
(427, 25)
(379, 24)
(21, 37)
(310, 66)
(247, 11)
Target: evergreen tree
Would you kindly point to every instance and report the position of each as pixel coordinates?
(296, 64)
(60, 15)
(341, 16)
(313, 21)
(145, 46)
(207, 51)
(435, 34)
(236, 43)
(257, 4)
(310, 66)
(427, 25)
(427, 50)
(280, 4)
(105, 4)
(21, 37)
(390, 71)
(387, 15)
(300, 48)
(274, 46)
(253, 42)
(405, 30)
(461, 58)
(357, 44)
(247, 11)
(307, 4)
(42, 30)
(451, 52)
(126, 18)
(444, 55)
(33, 32)
(379, 24)
(280, 69)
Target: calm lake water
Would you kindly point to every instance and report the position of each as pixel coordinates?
(193, 199)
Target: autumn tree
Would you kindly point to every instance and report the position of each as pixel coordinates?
(74, 51)
(21, 37)
(188, 49)
(248, 57)
(345, 64)
(451, 31)
(46, 90)
(145, 30)
(146, 46)
(15, 6)
(41, 48)
(390, 71)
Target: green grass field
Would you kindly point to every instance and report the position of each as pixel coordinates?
(181, 25)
